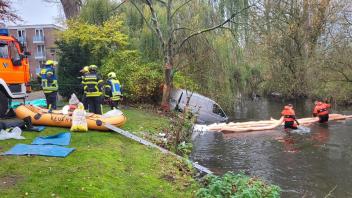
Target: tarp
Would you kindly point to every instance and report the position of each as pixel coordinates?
(62, 139)
(43, 150)
(37, 102)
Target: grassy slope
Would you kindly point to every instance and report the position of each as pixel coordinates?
(104, 165)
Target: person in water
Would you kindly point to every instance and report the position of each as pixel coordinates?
(321, 110)
(289, 117)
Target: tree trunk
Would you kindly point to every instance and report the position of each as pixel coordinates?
(71, 8)
(167, 87)
(169, 56)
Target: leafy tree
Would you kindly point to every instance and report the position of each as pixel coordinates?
(72, 57)
(85, 44)
(98, 11)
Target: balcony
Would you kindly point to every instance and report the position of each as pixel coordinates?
(38, 39)
(21, 39)
(40, 56)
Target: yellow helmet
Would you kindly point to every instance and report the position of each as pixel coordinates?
(93, 67)
(50, 62)
(112, 75)
(85, 69)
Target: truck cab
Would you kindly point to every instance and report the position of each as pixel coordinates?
(14, 71)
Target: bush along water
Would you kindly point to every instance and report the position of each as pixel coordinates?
(183, 132)
(236, 186)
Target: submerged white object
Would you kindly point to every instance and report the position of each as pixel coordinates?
(200, 128)
(301, 130)
(13, 134)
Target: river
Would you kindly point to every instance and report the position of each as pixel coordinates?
(307, 163)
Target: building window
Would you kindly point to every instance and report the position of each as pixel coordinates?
(21, 33)
(39, 33)
(41, 49)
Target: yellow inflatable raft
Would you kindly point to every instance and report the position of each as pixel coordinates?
(40, 116)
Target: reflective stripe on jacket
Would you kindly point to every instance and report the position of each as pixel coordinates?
(113, 89)
(92, 85)
(48, 80)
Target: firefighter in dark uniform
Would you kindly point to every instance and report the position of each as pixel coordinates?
(113, 90)
(49, 84)
(84, 71)
(92, 84)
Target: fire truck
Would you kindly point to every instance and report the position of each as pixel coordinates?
(14, 71)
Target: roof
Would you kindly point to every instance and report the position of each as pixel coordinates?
(35, 26)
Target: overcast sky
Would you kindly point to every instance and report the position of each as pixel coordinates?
(37, 12)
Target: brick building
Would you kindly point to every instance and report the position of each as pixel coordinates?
(39, 40)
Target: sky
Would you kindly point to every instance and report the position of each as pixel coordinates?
(37, 12)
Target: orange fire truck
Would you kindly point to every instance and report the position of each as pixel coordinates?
(14, 71)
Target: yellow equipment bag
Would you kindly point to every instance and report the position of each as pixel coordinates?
(79, 121)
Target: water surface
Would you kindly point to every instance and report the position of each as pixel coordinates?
(302, 164)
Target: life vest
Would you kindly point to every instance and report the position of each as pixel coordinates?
(92, 86)
(321, 109)
(289, 114)
(48, 80)
(113, 89)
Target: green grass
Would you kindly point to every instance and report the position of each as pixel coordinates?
(140, 120)
(104, 164)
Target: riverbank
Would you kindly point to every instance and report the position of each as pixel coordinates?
(103, 165)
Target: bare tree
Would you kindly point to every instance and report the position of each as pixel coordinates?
(169, 44)
(6, 14)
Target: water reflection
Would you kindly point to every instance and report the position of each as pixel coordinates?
(303, 164)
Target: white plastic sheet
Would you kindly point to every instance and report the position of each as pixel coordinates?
(73, 100)
(112, 113)
(13, 134)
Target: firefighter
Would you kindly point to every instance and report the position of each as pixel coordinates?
(49, 84)
(113, 90)
(92, 84)
(321, 110)
(289, 117)
(84, 71)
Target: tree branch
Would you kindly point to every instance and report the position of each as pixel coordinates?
(177, 9)
(182, 28)
(211, 28)
(117, 7)
(156, 22)
(162, 2)
(144, 19)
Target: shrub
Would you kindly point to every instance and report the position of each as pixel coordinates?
(237, 186)
(140, 81)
